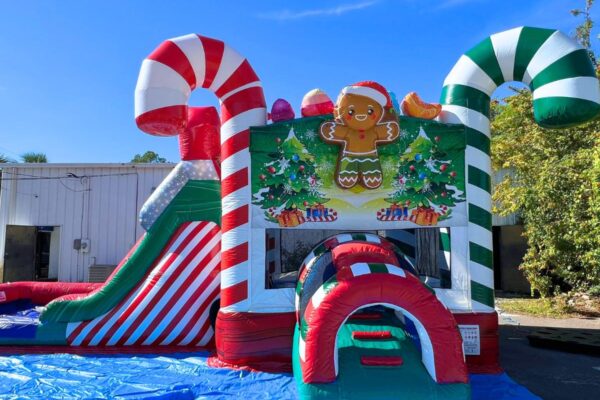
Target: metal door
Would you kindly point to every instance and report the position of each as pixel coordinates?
(19, 253)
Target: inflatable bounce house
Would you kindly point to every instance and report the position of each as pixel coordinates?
(302, 243)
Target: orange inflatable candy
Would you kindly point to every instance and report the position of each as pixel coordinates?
(413, 106)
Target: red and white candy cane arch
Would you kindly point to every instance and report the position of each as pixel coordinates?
(167, 78)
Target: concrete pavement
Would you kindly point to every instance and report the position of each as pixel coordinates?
(549, 374)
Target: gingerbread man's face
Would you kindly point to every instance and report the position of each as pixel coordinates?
(358, 112)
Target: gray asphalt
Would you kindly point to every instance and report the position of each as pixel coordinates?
(547, 373)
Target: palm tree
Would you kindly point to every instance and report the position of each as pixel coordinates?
(5, 159)
(33, 157)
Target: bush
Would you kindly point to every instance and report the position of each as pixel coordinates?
(556, 190)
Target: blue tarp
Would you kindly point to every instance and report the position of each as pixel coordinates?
(19, 319)
(182, 376)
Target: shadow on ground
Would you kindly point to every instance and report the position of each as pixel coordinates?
(550, 374)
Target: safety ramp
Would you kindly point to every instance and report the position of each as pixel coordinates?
(163, 293)
(368, 328)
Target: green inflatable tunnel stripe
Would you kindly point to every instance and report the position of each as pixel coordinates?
(559, 112)
(481, 255)
(359, 236)
(479, 178)
(466, 96)
(530, 41)
(484, 56)
(378, 268)
(482, 294)
(479, 216)
(572, 65)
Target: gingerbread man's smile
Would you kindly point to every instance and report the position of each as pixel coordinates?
(361, 117)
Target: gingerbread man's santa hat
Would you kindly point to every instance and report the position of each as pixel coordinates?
(372, 90)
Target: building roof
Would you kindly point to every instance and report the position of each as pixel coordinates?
(87, 165)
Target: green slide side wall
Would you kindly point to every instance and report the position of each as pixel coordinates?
(197, 201)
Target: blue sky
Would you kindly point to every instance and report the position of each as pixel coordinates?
(68, 68)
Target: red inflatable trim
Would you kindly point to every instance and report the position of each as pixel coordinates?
(42, 293)
(381, 361)
(166, 121)
(350, 253)
(200, 139)
(488, 361)
(366, 316)
(371, 335)
(255, 339)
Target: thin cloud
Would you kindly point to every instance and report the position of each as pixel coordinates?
(444, 5)
(285, 15)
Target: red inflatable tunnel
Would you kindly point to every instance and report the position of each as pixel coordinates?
(366, 276)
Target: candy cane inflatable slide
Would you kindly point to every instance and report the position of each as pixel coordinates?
(164, 290)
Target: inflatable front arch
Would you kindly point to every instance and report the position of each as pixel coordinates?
(360, 274)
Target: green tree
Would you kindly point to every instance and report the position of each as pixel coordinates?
(555, 188)
(426, 177)
(33, 157)
(5, 159)
(150, 157)
(289, 180)
(583, 32)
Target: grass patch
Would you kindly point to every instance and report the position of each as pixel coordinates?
(544, 307)
(562, 306)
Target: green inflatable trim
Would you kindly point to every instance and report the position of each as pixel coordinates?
(356, 381)
(562, 112)
(197, 201)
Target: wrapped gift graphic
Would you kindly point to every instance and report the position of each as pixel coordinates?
(317, 211)
(424, 216)
(290, 218)
(397, 210)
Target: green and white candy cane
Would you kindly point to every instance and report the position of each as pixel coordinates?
(565, 92)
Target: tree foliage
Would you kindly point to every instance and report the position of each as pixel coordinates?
(555, 187)
(150, 157)
(583, 32)
(33, 157)
(5, 159)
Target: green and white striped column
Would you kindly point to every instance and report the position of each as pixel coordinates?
(445, 249)
(565, 92)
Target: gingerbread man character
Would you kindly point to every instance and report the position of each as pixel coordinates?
(364, 119)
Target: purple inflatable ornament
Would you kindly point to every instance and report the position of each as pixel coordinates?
(281, 111)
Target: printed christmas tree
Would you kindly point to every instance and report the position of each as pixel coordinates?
(288, 180)
(426, 177)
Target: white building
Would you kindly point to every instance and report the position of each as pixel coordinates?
(58, 220)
